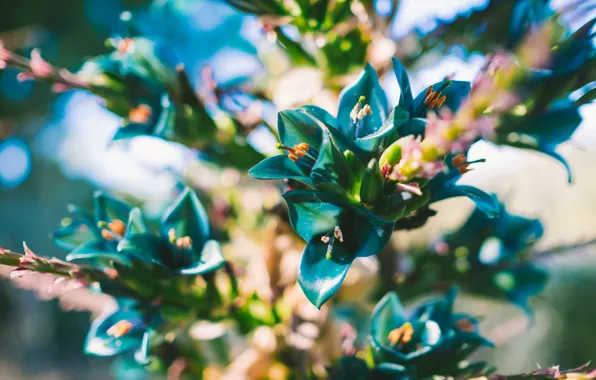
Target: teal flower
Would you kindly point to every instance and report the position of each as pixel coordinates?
(432, 340)
(122, 330)
(494, 249)
(117, 232)
(336, 234)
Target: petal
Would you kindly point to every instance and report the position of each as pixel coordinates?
(405, 98)
(73, 235)
(100, 343)
(108, 208)
(279, 167)
(96, 250)
(485, 202)
(366, 85)
(371, 233)
(148, 248)
(320, 277)
(387, 315)
(331, 165)
(211, 259)
(297, 127)
(142, 355)
(312, 212)
(136, 224)
(188, 218)
(389, 128)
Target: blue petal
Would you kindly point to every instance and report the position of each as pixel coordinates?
(320, 277)
(405, 98)
(96, 250)
(296, 127)
(331, 165)
(398, 117)
(188, 218)
(279, 167)
(387, 315)
(108, 208)
(312, 212)
(73, 235)
(211, 259)
(366, 85)
(100, 343)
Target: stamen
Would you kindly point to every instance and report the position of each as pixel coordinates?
(325, 239)
(120, 329)
(172, 235)
(441, 100)
(338, 234)
(141, 114)
(107, 235)
(401, 334)
(184, 242)
(464, 324)
(117, 227)
(429, 91)
(293, 157)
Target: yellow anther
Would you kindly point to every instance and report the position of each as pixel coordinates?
(302, 146)
(401, 334)
(117, 227)
(300, 153)
(429, 91)
(293, 157)
(184, 242)
(140, 114)
(325, 239)
(441, 100)
(172, 235)
(430, 97)
(125, 45)
(338, 234)
(120, 329)
(107, 235)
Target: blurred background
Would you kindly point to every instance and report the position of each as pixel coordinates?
(55, 150)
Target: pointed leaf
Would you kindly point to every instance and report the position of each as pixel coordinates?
(108, 208)
(73, 235)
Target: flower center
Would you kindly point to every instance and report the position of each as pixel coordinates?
(330, 238)
(434, 99)
(140, 114)
(112, 230)
(302, 154)
(184, 242)
(401, 334)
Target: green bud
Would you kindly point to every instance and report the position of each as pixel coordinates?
(372, 183)
(391, 155)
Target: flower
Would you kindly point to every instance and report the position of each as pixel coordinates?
(432, 340)
(118, 233)
(336, 234)
(119, 331)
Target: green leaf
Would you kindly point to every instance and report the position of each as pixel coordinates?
(405, 98)
(366, 85)
(279, 167)
(296, 127)
(100, 343)
(312, 212)
(320, 277)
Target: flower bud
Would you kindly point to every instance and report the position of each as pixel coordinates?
(391, 155)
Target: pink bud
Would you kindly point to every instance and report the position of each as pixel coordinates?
(39, 66)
